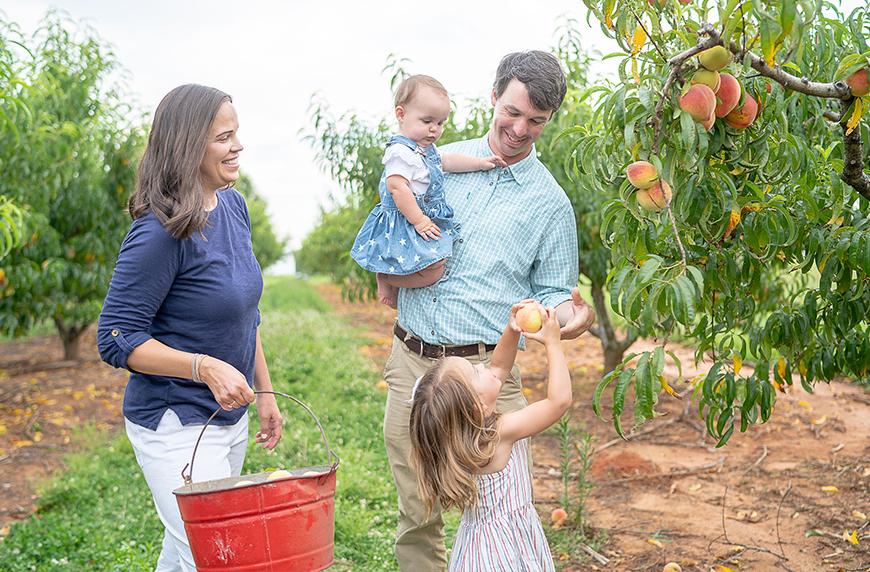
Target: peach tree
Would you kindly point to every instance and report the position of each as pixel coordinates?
(731, 152)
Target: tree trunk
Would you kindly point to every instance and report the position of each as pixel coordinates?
(71, 336)
(614, 348)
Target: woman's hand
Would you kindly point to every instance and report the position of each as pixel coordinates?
(227, 384)
(427, 229)
(270, 421)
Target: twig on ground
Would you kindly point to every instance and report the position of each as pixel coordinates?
(758, 461)
(724, 530)
(778, 510)
(603, 560)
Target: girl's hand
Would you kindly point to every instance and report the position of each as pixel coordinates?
(550, 332)
(270, 421)
(227, 384)
(488, 163)
(427, 229)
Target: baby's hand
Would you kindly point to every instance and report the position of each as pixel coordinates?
(488, 163)
(427, 229)
(550, 333)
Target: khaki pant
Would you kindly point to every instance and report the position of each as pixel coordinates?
(420, 540)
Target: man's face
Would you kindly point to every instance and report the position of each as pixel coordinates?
(516, 123)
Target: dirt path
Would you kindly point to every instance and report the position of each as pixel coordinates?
(811, 442)
(640, 495)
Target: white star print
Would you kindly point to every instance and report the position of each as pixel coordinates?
(392, 269)
(387, 235)
(403, 242)
(416, 258)
(371, 242)
(401, 259)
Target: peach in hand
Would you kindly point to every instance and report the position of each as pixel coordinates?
(529, 318)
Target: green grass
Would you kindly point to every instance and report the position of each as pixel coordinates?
(97, 514)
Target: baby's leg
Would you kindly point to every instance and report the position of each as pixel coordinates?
(426, 277)
(388, 294)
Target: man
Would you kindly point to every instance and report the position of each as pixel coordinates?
(517, 239)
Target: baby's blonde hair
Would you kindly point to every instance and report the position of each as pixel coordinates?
(451, 438)
(411, 84)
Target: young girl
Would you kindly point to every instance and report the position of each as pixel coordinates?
(469, 456)
(412, 195)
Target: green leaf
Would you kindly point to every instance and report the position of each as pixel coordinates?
(599, 390)
(619, 400)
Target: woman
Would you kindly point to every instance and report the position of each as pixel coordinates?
(181, 312)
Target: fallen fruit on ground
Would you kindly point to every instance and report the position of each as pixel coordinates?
(529, 318)
(672, 567)
(656, 198)
(642, 174)
(558, 517)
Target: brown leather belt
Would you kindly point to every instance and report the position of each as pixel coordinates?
(435, 351)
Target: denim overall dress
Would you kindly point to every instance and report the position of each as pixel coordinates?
(387, 242)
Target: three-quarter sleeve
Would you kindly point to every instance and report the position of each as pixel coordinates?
(147, 265)
(555, 269)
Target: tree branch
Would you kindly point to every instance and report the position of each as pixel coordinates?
(853, 158)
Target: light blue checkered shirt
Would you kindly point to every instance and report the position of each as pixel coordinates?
(517, 239)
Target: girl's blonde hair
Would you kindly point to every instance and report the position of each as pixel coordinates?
(409, 86)
(451, 437)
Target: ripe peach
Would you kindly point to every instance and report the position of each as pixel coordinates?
(529, 318)
(699, 102)
(708, 78)
(708, 123)
(715, 58)
(279, 474)
(743, 117)
(656, 198)
(728, 94)
(858, 83)
(558, 517)
(642, 174)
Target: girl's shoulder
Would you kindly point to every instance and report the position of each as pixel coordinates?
(403, 153)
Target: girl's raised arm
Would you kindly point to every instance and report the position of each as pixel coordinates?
(541, 414)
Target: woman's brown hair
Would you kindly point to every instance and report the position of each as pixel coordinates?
(168, 182)
(451, 438)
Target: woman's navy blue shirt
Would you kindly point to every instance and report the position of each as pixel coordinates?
(198, 294)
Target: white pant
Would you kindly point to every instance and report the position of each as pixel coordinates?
(163, 453)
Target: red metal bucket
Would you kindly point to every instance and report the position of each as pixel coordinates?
(283, 525)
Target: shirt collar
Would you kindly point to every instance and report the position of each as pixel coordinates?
(521, 169)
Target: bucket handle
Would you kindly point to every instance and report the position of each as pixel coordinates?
(188, 477)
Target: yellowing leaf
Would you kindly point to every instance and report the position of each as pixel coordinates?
(820, 421)
(802, 367)
(654, 542)
(638, 40)
(856, 116)
(806, 404)
(2, 429)
(830, 489)
(667, 387)
(780, 367)
(634, 72)
(859, 515)
(851, 538)
(777, 385)
(721, 568)
(738, 363)
(733, 221)
(527, 392)
(608, 12)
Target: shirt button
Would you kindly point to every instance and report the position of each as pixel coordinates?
(433, 332)
(461, 240)
(115, 332)
(434, 299)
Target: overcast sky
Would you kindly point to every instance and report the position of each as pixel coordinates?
(272, 56)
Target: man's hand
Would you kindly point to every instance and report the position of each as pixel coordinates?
(581, 319)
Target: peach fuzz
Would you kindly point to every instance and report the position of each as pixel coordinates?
(728, 94)
(744, 116)
(642, 174)
(656, 198)
(699, 102)
(529, 318)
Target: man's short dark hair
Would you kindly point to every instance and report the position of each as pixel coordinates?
(539, 71)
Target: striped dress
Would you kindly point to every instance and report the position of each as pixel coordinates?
(503, 533)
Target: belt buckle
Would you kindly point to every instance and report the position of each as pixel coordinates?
(443, 349)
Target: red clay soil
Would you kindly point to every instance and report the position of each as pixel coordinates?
(665, 495)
